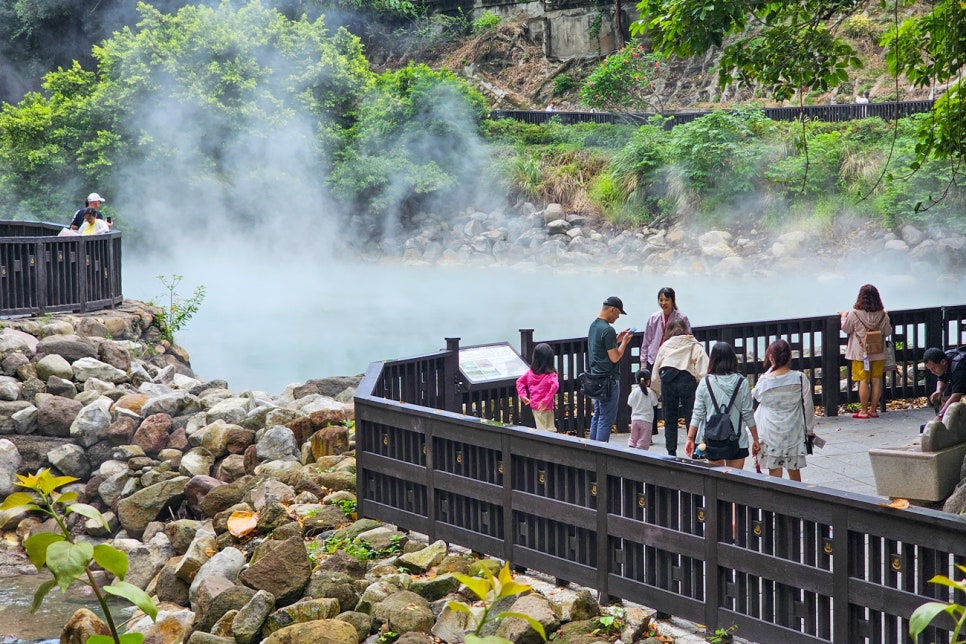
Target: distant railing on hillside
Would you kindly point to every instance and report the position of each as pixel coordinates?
(43, 273)
(846, 112)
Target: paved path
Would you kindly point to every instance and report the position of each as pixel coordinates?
(844, 461)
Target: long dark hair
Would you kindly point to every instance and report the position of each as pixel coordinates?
(542, 360)
(722, 359)
(668, 292)
(868, 299)
(778, 354)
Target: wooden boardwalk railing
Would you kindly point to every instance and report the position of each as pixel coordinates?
(845, 112)
(784, 561)
(43, 273)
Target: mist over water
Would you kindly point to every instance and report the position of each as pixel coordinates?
(271, 319)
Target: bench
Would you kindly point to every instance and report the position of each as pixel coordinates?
(928, 469)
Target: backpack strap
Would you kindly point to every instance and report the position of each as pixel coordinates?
(734, 394)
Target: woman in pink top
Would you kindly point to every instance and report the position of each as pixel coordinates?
(655, 333)
(539, 385)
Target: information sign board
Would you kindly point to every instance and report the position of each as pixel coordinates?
(489, 362)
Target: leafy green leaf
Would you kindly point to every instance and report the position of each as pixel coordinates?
(36, 547)
(67, 497)
(534, 624)
(459, 607)
(111, 559)
(41, 593)
(477, 586)
(68, 561)
(134, 595)
(923, 615)
(17, 500)
(88, 511)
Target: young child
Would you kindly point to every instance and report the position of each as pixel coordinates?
(539, 385)
(642, 402)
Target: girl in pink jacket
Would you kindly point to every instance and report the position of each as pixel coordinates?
(539, 385)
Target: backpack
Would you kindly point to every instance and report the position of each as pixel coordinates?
(955, 356)
(874, 341)
(719, 430)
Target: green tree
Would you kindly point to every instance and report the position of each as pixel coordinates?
(789, 47)
(416, 138)
(624, 81)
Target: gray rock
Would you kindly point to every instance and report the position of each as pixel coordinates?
(277, 444)
(896, 245)
(284, 571)
(174, 403)
(405, 612)
(519, 630)
(196, 461)
(196, 554)
(145, 560)
(90, 425)
(115, 354)
(956, 503)
(71, 460)
(422, 560)
(7, 409)
(911, 235)
(301, 612)
(87, 368)
(61, 387)
(70, 347)
(9, 388)
(25, 420)
(229, 601)
(10, 461)
(247, 624)
(54, 365)
(269, 491)
(226, 563)
(144, 506)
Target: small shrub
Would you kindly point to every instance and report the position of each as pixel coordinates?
(563, 83)
(487, 22)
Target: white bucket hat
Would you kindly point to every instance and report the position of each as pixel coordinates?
(96, 197)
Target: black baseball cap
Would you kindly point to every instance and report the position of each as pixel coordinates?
(616, 303)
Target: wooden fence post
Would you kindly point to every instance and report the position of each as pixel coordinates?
(831, 359)
(451, 375)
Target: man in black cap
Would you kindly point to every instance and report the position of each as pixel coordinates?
(605, 347)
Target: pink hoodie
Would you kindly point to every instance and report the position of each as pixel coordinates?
(541, 387)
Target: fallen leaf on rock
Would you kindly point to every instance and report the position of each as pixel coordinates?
(241, 523)
(897, 504)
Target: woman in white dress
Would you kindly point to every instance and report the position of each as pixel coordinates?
(785, 413)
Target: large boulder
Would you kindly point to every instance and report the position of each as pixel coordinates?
(56, 414)
(284, 571)
(137, 510)
(320, 631)
(54, 365)
(70, 347)
(87, 368)
(91, 424)
(10, 461)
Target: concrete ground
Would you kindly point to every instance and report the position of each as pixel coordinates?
(843, 463)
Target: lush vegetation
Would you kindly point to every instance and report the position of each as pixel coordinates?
(733, 166)
(198, 103)
(790, 48)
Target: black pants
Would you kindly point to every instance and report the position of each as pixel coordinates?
(678, 401)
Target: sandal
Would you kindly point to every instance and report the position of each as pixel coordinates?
(873, 414)
(861, 415)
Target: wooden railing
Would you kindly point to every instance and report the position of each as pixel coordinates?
(43, 273)
(784, 561)
(846, 112)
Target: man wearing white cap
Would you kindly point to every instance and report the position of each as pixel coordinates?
(94, 201)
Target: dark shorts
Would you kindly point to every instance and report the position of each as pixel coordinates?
(730, 453)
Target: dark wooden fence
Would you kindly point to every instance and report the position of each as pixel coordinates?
(784, 561)
(847, 112)
(43, 273)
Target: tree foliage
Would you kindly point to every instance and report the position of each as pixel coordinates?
(624, 81)
(791, 47)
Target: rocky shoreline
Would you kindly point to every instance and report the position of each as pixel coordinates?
(175, 465)
(526, 235)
